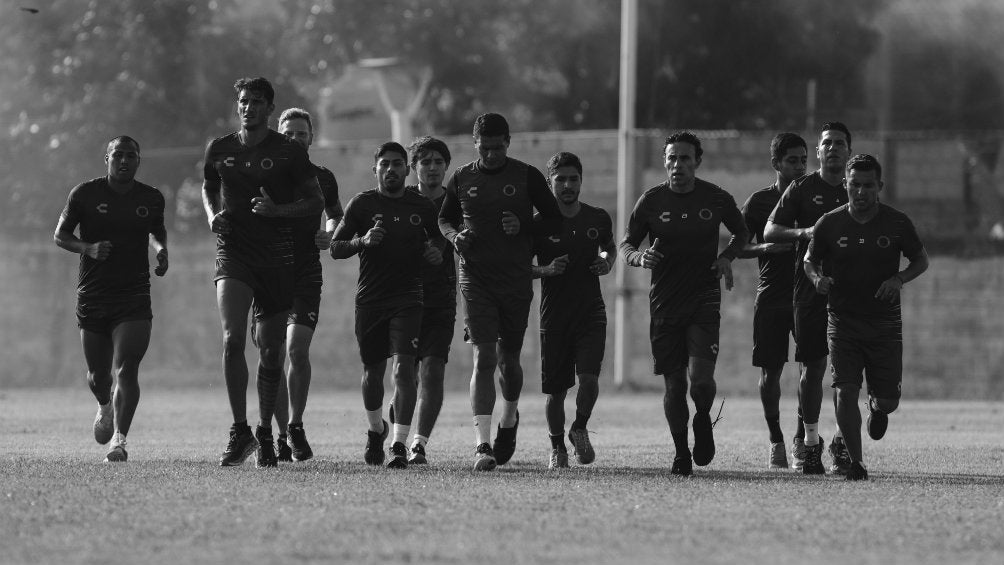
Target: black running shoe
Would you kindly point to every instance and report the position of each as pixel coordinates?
(241, 445)
(298, 443)
(856, 472)
(282, 452)
(682, 465)
(878, 422)
(814, 459)
(505, 442)
(374, 445)
(841, 458)
(484, 459)
(398, 456)
(265, 454)
(417, 456)
(704, 439)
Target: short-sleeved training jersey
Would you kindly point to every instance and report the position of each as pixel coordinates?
(390, 274)
(805, 201)
(859, 258)
(686, 226)
(277, 164)
(305, 228)
(475, 199)
(439, 282)
(576, 292)
(126, 220)
(776, 279)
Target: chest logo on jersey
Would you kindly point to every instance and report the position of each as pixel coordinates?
(509, 190)
(704, 214)
(267, 163)
(228, 162)
(472, 192)
(818, 200)
(593, 233)
(664, 217)
(142, 211)
(415, 219)
(102, 208)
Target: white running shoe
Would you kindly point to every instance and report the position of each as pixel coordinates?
(104, 423)
(117, 453)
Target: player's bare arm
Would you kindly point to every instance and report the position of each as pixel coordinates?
(722, 266)
(776, 233)
(891, 288)
(158, 241)
(212, 201)
(815, 273)
(309, 201)
(604, 262)
(66, 239)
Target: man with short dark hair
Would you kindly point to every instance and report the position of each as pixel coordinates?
(853, 260)
(487, 216)
(256, 180)
(573, 318)
(681, 218)
(393, 232)
(801, 204)
(119, 217)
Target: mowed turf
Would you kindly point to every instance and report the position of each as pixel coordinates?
(936, 494)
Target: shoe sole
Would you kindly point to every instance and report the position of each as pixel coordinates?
(418, 460)
(301, 458)
(117, 458)
(103, 434)
(877, 427)
(485, 464)
(398, 463)
(244, 456)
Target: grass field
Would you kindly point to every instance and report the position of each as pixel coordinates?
(936, 494)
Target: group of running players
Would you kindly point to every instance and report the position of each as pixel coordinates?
(829, 255)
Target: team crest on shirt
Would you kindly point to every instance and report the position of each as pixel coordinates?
(267, 163)
(415, 219)
(593, 233)
(883, 241)
(142, 211)
(704, 214)
(509, 190)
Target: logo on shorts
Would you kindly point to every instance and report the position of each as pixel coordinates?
(312, 316)
(714, 348)
(414, 343)
(102, 208)
(664, 217)
(842, 242)
(142, 211)
(267, 163)
(509, 190)
(818, 200)
(593, 233)
(705, 214)
(472, 192)
(883, 241)
(554, 238)
(415, 219)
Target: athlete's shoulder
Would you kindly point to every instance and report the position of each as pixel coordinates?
(660, 188)
(225, 142)
(766, 195)
(146, 189)
(594, 211)
(835, 216)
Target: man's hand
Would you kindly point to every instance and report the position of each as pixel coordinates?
(723, 268)
(557, 266)
(823, 285)
(322, 239)
(510, 223)
(600, 265)
(264, 206)
(374, 235)
(650, 258)
(161, 267)
(890, 289)
(464, 241)
(100, 250)
(432, 254)
(220, 224)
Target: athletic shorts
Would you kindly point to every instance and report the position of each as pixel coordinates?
(877, 362)
(677, 338)
(771, 328)
(436, 334)
(306, 294)
(572, 350)
(102, 315)
(272, 286)
(491, 318)
(810, 330)
(384, 332)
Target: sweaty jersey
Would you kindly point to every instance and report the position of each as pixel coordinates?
(439, 282)
(576, 292)
(859, 258)
(276, 164)
(686, 226)
(390, 274)
(305, 228)
(475, 200)
(126, 220)
(804, 201)
(776, 280)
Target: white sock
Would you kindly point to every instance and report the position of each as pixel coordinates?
(118, 439)
(838, 434)
(508, 418)
(401, 432)
(419, 440)
(483, 429)
(811, 433)
(375, 419)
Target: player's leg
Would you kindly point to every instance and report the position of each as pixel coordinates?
(98, 351)
(669, 351)
(589, 349)
(771, 327)
(234, 298)
(884, 374)
(481, 319)
(270, 337)
(811, 352)
(557, 360)
(847, 361)
(849, 420)
(702, 348)
(298, 340)
(432, 373)
(513, 315)
(373, 337)
(283, 451)
(770, 398)
(131, 339)
(405, 397)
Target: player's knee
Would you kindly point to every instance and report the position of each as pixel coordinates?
(847, 394)
(299, 355)
(886, 405)
(589, 381)
(485, 359)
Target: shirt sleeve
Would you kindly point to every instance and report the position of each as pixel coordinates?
(543, 201)
(73, 210)
(786, 211)
(636, 230)
(349, 226)
(818, 248)
(606, 229)
(733, 220)
(209, 171)
(911, 245)
(451, 215)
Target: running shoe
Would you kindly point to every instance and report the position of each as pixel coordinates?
(265, 454)
(283, 453)
(484, 458)
(241, 445)
(417, 456)
(583, 449)
(683, 465)
(104, 423)
(559, 459)
(841, 458)
(814, 459)
(298, 443)
(374, 445)
(117, 453)
(878, 422)
(778, 456)
(398, 456)
(505, 442)
(704, 439)
(797, 453)
(856, 472)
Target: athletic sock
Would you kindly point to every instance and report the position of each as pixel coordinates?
(838, 434)
(812, 434)
(580, 420)
(483, 428)
(401, 432)
(774, 425)
(118, 439)
(508, 418)
(375, 420)
(558, 441)
(419, 440)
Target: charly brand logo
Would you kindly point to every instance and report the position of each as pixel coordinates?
(664, 217)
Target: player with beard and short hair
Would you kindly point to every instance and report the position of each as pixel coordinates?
(573, 318)
(256, 182)
(853, 260)
(308, 239)
(773, 315)
(394, 232)
(681, 218)
(801, 204)
(119, 217)
(487, 216)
